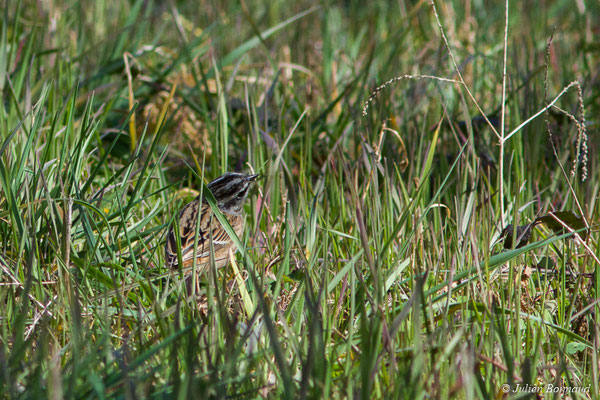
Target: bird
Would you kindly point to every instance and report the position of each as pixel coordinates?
(230, 192)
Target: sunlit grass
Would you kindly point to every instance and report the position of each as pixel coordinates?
(371, 262)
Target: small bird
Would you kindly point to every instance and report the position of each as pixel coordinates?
(230, 191)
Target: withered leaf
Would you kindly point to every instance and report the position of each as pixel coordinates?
(570, 219)
(522, 238)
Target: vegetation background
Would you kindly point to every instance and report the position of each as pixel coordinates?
(371, 265)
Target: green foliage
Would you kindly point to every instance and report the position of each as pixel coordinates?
(370, 265)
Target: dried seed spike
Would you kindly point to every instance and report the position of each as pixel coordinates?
(379, 88)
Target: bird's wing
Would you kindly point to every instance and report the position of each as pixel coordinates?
(210, 228)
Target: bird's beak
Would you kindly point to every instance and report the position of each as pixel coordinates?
(252, 177)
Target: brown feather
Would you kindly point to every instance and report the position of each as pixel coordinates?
(225, 189)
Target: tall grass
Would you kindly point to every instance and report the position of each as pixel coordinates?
(370, 266)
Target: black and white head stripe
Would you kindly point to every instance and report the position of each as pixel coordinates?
(231, 190)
